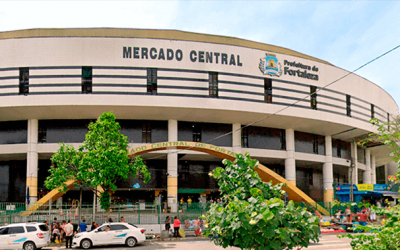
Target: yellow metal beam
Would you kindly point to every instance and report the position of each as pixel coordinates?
(265, 173)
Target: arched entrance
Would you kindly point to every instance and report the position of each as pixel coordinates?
(265, 173)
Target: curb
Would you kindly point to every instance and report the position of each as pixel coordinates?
(179, 239)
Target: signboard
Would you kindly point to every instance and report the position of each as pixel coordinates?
(10, 207)
(365, 187)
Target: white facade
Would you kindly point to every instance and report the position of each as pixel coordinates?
(55, 59)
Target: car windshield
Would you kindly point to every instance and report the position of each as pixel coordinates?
(132, 225)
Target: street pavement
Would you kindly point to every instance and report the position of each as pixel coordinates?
(327, 242)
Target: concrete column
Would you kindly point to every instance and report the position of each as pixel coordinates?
(386, 168)
(367, 172)
(354, 155)
(290, 162)
(236, 138)
(32, 160)
(172, 168)
(327, 171)
(373, 169)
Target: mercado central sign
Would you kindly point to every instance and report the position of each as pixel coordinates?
(197, 146)
(269, 64)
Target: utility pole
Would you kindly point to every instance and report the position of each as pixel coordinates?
(351, 179)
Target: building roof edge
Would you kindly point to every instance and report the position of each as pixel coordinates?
(152, 34)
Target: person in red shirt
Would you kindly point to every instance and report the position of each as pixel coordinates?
(177, 226)
(362, 218)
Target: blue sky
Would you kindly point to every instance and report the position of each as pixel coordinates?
(344, 33)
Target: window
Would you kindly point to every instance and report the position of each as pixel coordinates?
(339, 150)
(87, 80)
(31, 229)
(283, 139)
(348, 105)
(44, 228)
(268, 90)
(4, 231)
(310, 177)
(16, 230)
(196, 133)
(213, 84)
(118, 227)
(42, 134)
(315, 144)
(152, 81)
(146, 132)
(372, 111)
(245, 137)
(23, 81)
(313, 95)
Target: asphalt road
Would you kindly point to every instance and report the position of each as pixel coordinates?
(327, 242)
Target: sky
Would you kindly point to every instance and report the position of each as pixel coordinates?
(345, 33)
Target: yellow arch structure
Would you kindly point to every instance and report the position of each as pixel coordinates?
(265, 173)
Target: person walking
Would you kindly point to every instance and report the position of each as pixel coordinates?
(167, 223)
(69, 229)
(83, 226)
(122, 219)
(177, 226)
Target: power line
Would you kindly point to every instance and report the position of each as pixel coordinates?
(288, 106)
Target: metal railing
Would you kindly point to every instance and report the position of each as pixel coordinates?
(135, 213)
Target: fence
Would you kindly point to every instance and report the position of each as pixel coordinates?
(135, 213)
(329, 206)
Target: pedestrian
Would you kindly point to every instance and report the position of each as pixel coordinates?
(56, 233)
(177, 225)
(165, 206)
(53, 223)
(83, 226)
(63, 230)
(189, 201)
(122, 219)
(110, 220)
(69, 229)
(94, 226)
(362, 218)
(348, 214)
(167, 223)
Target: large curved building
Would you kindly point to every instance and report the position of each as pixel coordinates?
(166, 85)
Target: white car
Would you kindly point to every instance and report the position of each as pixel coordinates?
(27, 236)
(118, 233)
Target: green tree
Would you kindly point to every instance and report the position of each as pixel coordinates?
(387, 235)
(100, 162)
(253, 214)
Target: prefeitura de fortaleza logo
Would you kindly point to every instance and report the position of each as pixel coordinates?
(269, 65)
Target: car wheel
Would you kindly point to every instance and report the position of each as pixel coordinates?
(29, 246)
(86, 244)
(131, 242)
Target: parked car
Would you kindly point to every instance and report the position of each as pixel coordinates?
(117, 233)
(26, 236)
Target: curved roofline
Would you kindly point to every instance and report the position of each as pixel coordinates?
(161, 34)
(153, 34)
